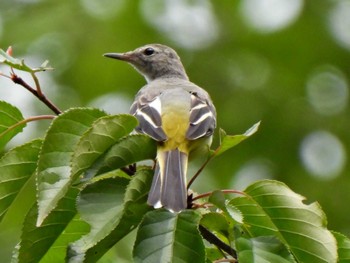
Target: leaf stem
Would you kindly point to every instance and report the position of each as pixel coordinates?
(225, 191)
(203, 166)
(37, 93)
(35, 118)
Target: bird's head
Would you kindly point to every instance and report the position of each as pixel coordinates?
(153, 61)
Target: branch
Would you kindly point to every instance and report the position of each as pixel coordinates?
(211, 238)
(36, 92)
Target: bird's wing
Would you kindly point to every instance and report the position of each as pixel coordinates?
(147, 109)
(202, 117)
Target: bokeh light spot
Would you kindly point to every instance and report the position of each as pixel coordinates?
(52, 46)
(270, 15)
(322, 154)
(339, 23)
(102, 9)
(327, 90)
(248, 70)
(254, 170)
(189, 23)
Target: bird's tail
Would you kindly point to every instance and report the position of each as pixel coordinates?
(169, 182)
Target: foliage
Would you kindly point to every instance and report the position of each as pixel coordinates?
(90, 196)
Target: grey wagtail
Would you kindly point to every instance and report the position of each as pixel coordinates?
(173, 111)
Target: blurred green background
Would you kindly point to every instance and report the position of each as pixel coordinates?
(284, 62)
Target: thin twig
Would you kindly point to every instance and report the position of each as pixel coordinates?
(18, 80)
(203, 166)
(211, 238)
(35, 118)
(225, 191)
(37, 84)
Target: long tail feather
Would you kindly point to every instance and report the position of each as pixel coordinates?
(169, 182)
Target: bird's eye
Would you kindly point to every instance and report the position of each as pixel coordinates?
(148, 51)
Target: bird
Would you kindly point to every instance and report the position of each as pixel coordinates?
(179, 115)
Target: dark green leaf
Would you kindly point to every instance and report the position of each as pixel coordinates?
(16, 167)
(9, 116)
(36, 241)
(262, 250)
(100, 204)
(104, 132)
(53, 173)
(169, 237)
(135, 207)
(272, 209)
(128, 150)
(343, 248)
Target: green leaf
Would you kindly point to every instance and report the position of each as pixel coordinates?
(9, 117)
(36, 241)
(272, 209)
(74, 230)
(262, 250)
(19, 63)
(232, 214)
(104, 132)
(230, 141)
(135, 207)
(343, 247)
(16, 167)
(128, 150)
(100, 204)
(53, 173)
(169, 237)
(217, 224)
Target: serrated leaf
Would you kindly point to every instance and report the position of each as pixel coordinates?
(169, 237)
(100, 204)
(36, 241)
(217, 224)
(262, 250)
(232, 214)
(230, 141)
(53, 173)
(19, 63)
(271, 208)
(128, 150)
(9, 116)
(343, 247)
(133, 211)
(16, 167)
(74, 230)
(104, 132)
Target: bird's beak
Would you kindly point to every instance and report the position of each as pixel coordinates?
(120, 56)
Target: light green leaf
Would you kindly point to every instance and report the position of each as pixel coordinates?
(19, 63)
(9, 117)
(272, 209)
(53, 173)
(100, 204)
(169, 237)
(104, 132)
(343, 247)
(134, 209)
(262, 250)
(36, 241)
(230, 141)
(16, 167)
